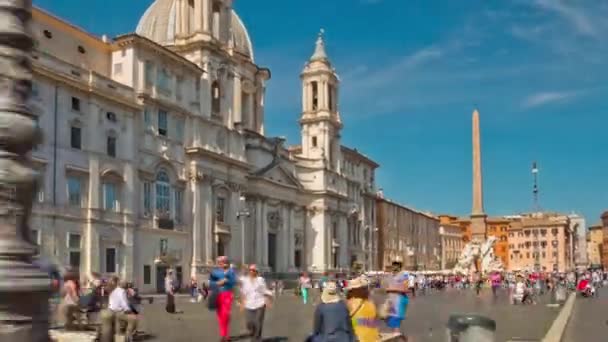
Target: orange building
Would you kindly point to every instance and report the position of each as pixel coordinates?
(604, 218)
(496, 226)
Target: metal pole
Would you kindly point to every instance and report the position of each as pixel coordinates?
(24, 288)
(241, 214)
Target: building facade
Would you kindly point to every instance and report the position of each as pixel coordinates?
(604, 251)
(407, 236)
(452, 245)
(542, 241)
(156, 156)
(595, 241)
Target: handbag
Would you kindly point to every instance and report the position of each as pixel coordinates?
(212, 300)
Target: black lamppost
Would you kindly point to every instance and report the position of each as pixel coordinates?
(24, 288)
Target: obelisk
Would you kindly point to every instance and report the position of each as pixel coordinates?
(478, 216)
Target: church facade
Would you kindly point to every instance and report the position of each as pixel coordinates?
(155, 153)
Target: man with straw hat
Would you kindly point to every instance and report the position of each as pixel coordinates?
(332, 321)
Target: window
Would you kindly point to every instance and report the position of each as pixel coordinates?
(330, 97)
(48, 34)
(81, 49)
(75, 104)
(40, 195)
(163, 194)
(162, 123)
(197, 89)
(314, 141)
(35, 91)
(74, 191)
(147, 117)
(111, 116)
(178, 87)
(219, 209)
(555, 254)
(215, 98)
(147, 198)
(149, 73)
(110, 200)
(74, 250)
(179, 197)
(35, 236)
(75, 137)
(334, 230)
(111, 146)
(163, 80)
(544, 255)
(147, 275)
(315, 95)
(164, 246)
(110, 260)
(118, 68)
(528, 255)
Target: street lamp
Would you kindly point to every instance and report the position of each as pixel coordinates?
(24, 288)
(241, 215)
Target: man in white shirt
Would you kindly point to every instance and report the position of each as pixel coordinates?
(119, 310)
(253, 300)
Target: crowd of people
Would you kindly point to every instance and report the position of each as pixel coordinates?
(344, 310)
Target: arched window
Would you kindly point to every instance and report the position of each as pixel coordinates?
(215, 98)
(163, 193)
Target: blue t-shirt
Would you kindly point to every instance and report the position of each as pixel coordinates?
(218, 274)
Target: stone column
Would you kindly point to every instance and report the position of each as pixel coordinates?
(225, 23)
(199, 15)
(91, 238)
(304, 97)
(206, 15)
(237, 100)
(344, 245)
(179, 17)
(208, 212)
(197, 221)
(284, 238)
(250, 109)
(264, 250)
(292, 240)
(259, 249)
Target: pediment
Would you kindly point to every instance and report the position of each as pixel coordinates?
(280, 175)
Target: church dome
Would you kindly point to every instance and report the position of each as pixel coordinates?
(159, 20)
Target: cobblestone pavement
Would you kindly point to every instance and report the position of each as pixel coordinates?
(291, 320)
(588, 321)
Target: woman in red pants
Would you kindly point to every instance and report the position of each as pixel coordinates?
(222, 281)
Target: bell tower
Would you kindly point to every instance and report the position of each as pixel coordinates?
(320, 120)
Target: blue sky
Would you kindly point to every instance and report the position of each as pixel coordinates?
(413, 71)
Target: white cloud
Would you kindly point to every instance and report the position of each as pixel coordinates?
(548, 97)
(577, 17)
